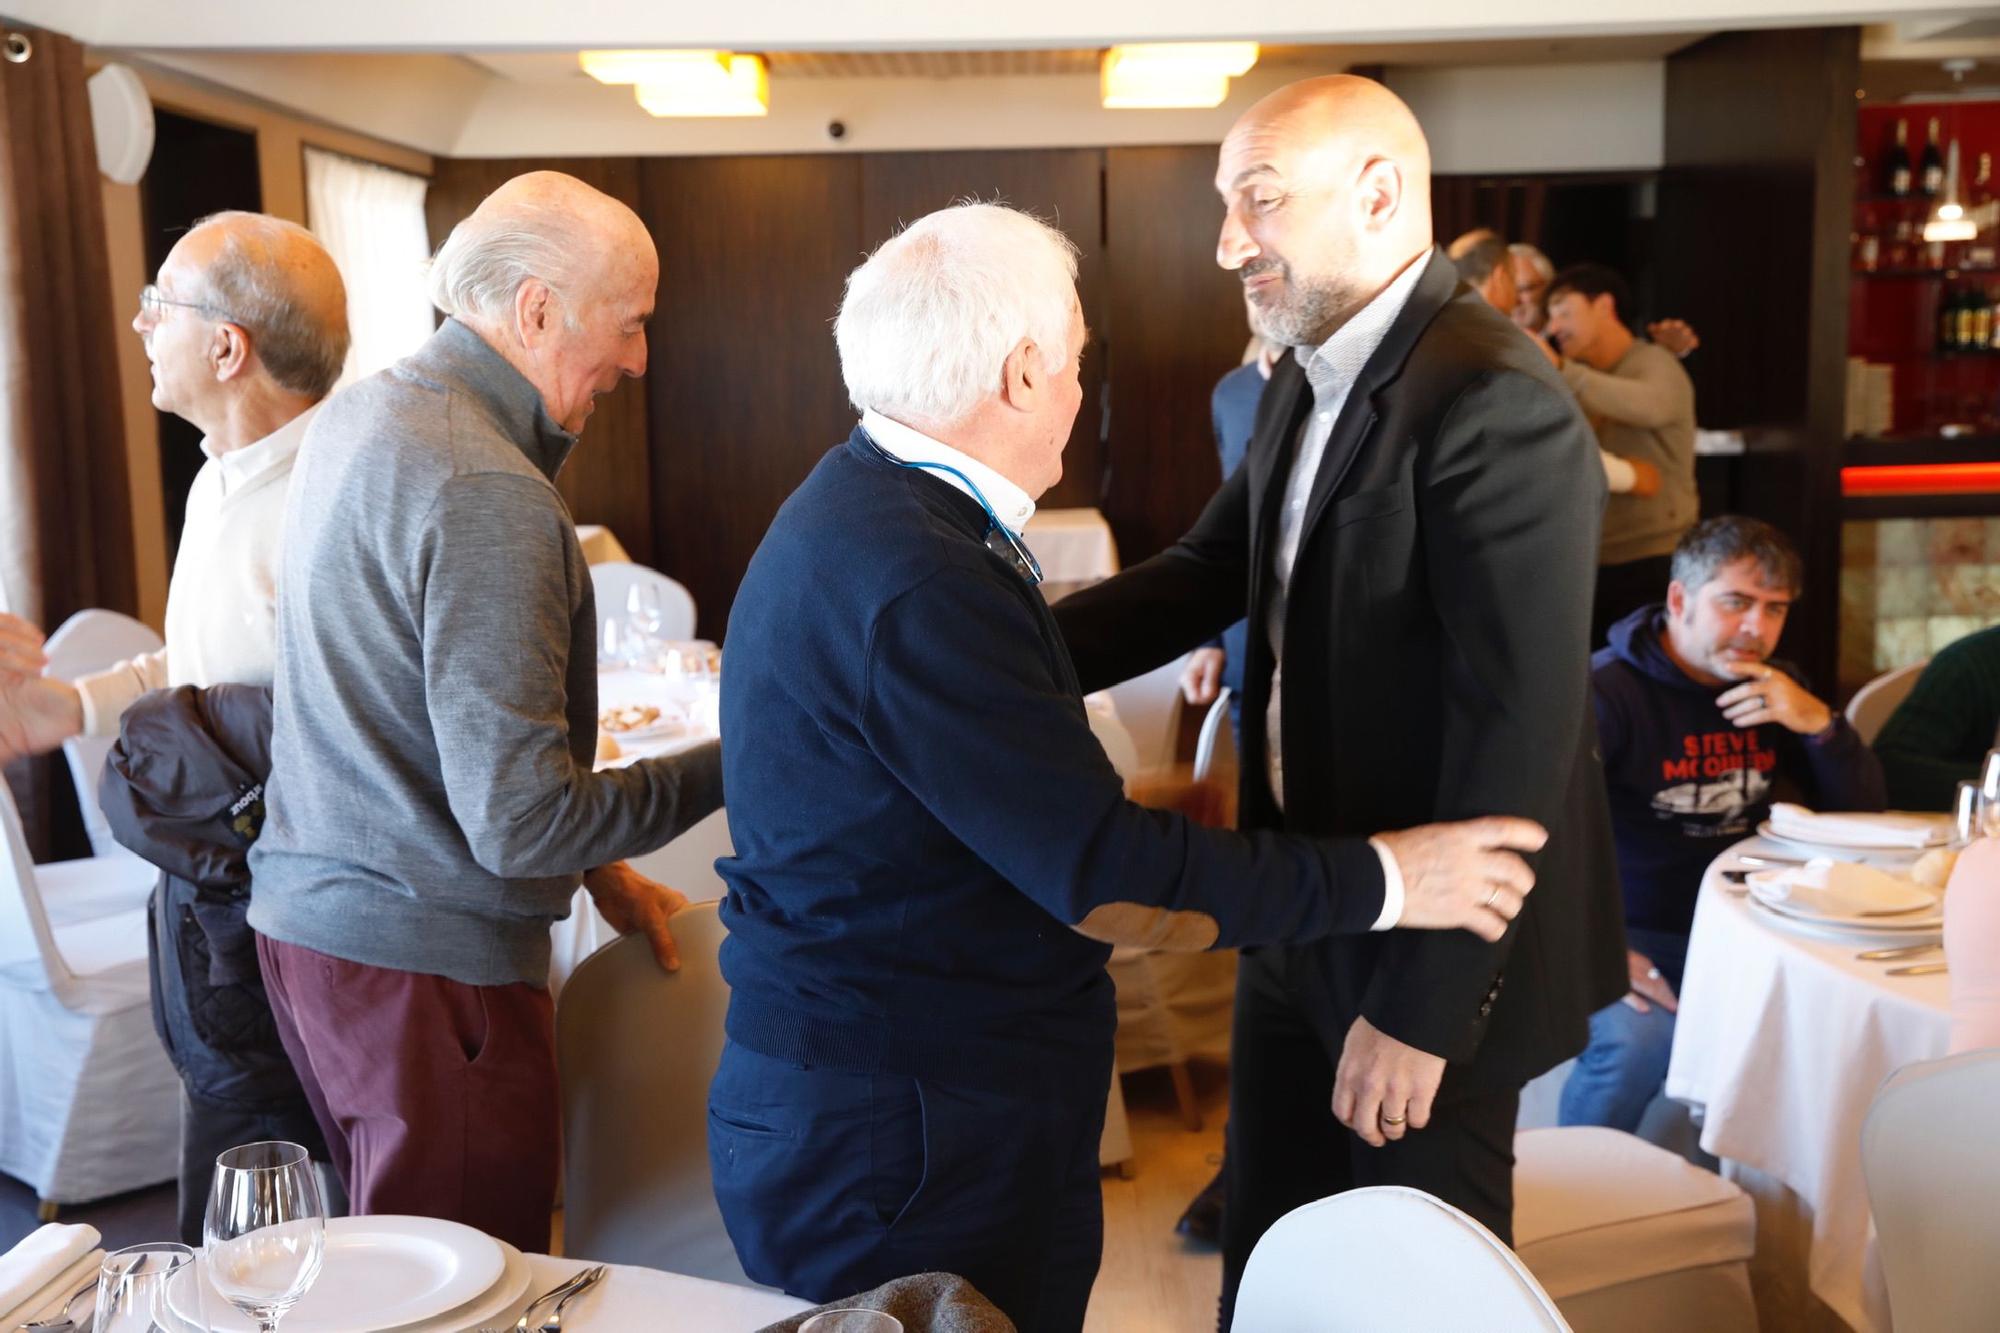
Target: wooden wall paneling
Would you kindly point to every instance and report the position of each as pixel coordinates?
(744, 394)
(1173, 324)
(608, 478)
(1061, 186)
(1752, 244)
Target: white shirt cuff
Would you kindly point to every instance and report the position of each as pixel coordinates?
(1392, 887)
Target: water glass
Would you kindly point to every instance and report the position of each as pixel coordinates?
(1989, 795)
(266, 1229)
(1968, 814)
(852, 1321)
(133, 1295)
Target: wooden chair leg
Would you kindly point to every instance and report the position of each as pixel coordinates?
(1184, 1094)
(45, 1210)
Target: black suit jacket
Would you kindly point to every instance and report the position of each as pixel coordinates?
(1436, 664)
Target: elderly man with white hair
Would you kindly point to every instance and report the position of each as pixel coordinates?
(933, 853)
(433, 802)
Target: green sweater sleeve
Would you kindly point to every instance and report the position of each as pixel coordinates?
(1940, 733)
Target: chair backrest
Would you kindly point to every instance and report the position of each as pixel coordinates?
(1933, 1171)
(637, 1048)
(1874, 702)
(27, 943)
(1149, 706)
(91, 641)
(613, 580)
(1387, 1257)
(1217, 739)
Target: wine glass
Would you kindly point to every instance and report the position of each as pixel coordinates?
(1989, 795)
(133, 1296)
(852, 1321)
(266, 1229)
(644, 617)
(1968, 814)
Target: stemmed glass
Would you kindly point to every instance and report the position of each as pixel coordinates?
(1989, 795)
(132, 1291)
(643, 617)
(266, 1229)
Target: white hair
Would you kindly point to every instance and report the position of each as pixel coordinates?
(930, 318)
(1540, 261)
(484, 262)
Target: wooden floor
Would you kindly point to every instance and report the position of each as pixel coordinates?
(1152, 1280)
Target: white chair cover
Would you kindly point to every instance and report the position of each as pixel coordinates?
(89, 1104)
(1933, 1171)
(87, 642)
(613, 579)
(1149, 706)
(1874, 702)
(1217, 742)
(637, 1048)
(1387, 1257)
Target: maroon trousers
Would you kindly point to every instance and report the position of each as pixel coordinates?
(436, 1098)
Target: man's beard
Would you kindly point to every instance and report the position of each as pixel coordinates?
(1304, 312)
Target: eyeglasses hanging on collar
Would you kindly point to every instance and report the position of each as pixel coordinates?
(1000, 539)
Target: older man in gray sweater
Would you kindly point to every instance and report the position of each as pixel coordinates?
(432, 802)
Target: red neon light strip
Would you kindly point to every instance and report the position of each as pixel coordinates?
(1920, 479)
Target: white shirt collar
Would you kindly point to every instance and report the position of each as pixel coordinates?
(1011, 505)
(1340, 359)
(240, 467)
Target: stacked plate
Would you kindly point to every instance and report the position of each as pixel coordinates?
(1842, 900)
(408, 1274)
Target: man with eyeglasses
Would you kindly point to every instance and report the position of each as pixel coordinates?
(246, 331)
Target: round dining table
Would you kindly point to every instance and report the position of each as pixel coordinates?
(1783, 1038)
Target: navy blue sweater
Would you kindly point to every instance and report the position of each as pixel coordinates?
(1685, 781)
(920, 811)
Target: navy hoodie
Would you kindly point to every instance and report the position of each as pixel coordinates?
(1686, 782)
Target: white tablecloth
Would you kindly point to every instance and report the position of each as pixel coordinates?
(636, 1298)
(1782, 1042)
(1074, 547)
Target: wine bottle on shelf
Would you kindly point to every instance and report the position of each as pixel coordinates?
(1993, 318)
(1982, 321)
(1947, 339)
(1896, 167)
(1933, 163)
(1967, 303)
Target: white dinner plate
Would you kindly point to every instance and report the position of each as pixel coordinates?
(381, 1273)
(1925, 907)
(1940, 836)
(1849, 935)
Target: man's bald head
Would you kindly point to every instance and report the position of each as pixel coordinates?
(545, 226)
(1327, 185)
(558, 278)
(275, 281)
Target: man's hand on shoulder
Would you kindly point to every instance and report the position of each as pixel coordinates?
(1769, 695)
(631, 902)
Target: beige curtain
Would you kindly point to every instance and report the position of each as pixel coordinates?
(65, 509)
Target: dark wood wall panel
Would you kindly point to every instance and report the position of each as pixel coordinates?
(745, 392)
(608, 478)
(1061, 186)
(1753, 226)
(1174, 323)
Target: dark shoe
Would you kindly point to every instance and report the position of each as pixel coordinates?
(1202, 1222)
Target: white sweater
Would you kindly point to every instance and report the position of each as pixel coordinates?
(223, 599)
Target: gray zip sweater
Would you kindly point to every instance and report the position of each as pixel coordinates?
(432, 802)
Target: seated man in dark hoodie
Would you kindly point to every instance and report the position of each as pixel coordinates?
(1699, 729)
(933, 855)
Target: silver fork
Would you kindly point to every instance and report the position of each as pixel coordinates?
(555, 1293)
(553, 1324)
(63, 1319)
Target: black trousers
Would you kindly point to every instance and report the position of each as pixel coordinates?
(1623, 589)
(1285, 1148)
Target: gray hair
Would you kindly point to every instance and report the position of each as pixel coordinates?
(930, 318)
(1540, 262)
(246, 284)
(480, 267)
(1714, 544)
(1477, 259)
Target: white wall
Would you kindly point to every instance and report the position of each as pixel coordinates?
(1539, 117)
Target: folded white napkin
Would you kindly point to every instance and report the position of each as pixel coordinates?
(46, 1254)
(1841, 888)
(1892, 831)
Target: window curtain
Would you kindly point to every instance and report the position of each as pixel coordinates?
(371, 220)
(65, 504)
